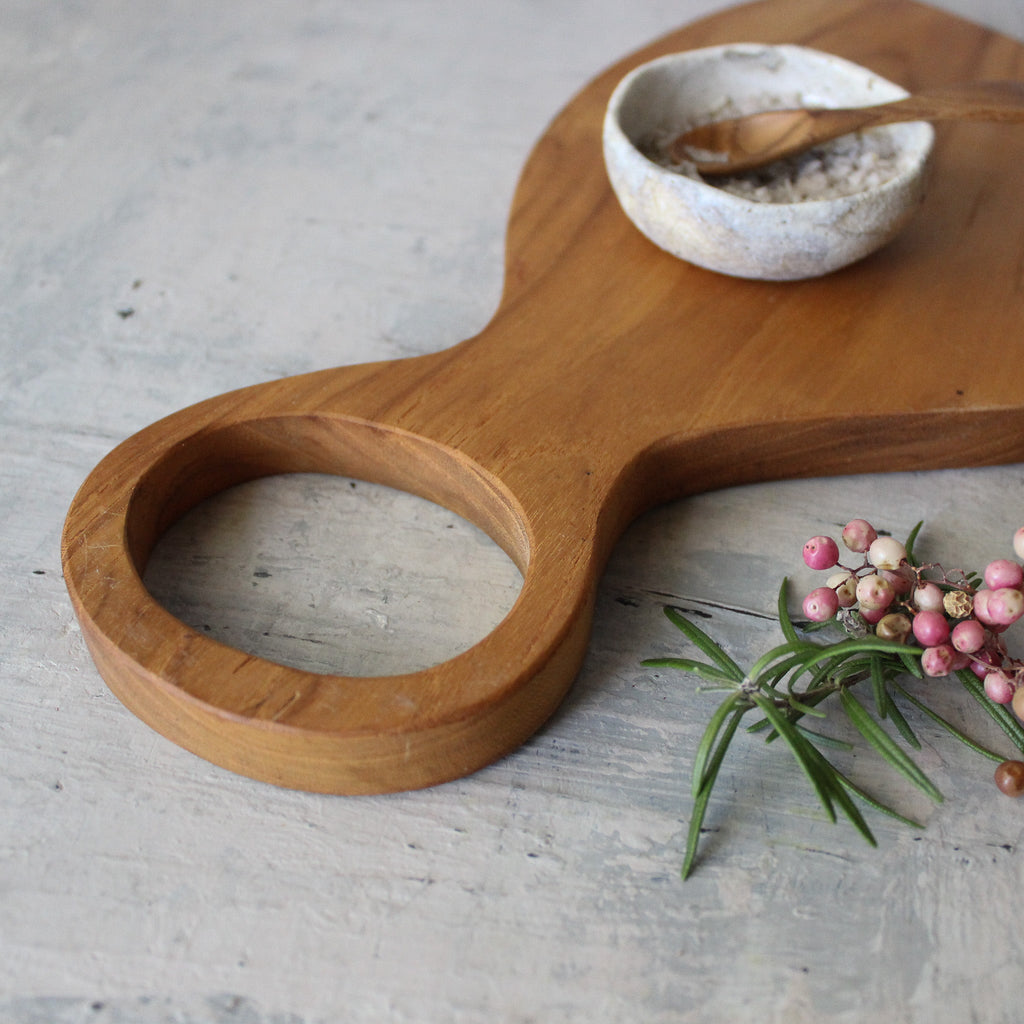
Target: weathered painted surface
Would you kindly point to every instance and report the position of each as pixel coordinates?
(196, 197)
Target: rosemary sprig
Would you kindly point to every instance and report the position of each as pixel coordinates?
(788, 683)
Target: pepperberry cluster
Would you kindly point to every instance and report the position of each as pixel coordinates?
(958, 620)
(903, 618)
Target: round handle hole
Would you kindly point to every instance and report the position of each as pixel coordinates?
(333, 575)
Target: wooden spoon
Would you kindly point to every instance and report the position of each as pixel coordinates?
(744, 143)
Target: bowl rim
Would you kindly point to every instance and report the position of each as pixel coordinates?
(920, 153)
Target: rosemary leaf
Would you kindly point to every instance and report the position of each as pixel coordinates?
(902, 725)
(737, 704)
(874, 803)
(788, 629)
(785, 657)
(911, 664)
(1006, 721)
(825, 673)
(804, 708)
(885, 745)
(878, 685)
(803, 752)
(813, 699)
(859, 645)
(827, 781)
(704, 643)
(697, 668)
(821, 738)
(950, 728)
(793, 666)
(772, 678)
(700, 807)
(839, 794)
(703, 795)
(852, 670)
(911, 541)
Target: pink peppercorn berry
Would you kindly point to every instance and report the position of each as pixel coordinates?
(845, 585)
(900, 580)
(886, 553)
(821, 553)
(872, 616)
(983, 661)
(1003, 573)
(893, 626)
(1010, 778)
(858, 535)
(998, 688)
(874, 592)
(981, 606)
(1002, 607)
(928, 597)
(930, 629)
(939, 660)
(968, 636)
(821, 604)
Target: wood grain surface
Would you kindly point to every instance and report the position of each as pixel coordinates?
(612, 377)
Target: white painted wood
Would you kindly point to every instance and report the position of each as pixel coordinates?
(196, 196)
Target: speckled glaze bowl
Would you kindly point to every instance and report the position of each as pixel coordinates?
(733, 234)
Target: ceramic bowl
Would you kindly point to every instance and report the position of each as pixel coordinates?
(735, 234)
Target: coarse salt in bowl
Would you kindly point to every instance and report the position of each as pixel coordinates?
(799, 218)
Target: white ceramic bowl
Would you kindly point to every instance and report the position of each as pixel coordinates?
(731, 233)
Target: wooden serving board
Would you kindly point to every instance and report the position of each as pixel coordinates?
(612, 377)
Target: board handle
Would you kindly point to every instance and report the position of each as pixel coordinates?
(295, 728)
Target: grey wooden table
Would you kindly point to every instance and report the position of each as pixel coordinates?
(196, 196)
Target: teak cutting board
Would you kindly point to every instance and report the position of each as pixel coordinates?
(612, 377)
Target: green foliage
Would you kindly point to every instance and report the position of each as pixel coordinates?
(788, 684)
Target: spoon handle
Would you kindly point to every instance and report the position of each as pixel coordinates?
(977, 101)
(743, 143)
